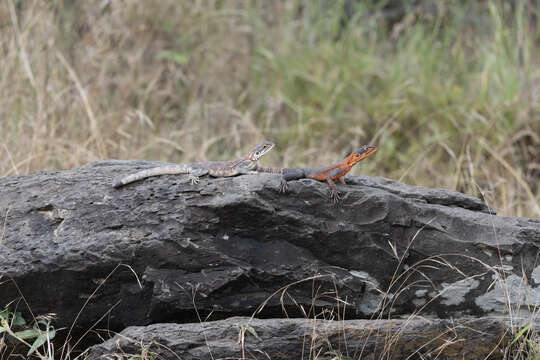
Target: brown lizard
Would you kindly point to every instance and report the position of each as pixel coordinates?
(328, 173)
(244, 165)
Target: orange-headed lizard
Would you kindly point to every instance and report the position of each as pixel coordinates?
(328, 173)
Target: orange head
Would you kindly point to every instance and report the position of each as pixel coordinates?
(360, 154)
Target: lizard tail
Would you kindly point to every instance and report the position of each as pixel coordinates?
(160, 170)
(269, 170)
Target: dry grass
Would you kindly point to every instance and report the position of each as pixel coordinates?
(450, 99)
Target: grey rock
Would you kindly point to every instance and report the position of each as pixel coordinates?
(228, 245)
(303, 339)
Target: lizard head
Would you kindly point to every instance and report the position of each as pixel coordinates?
(260, 150)
(360, 154)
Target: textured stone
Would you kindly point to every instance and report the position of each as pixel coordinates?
(287, 339)
(227, 244)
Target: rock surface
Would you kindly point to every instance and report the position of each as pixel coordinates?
(285, 339)
(228, 245)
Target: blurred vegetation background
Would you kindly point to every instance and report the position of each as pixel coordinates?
(447, 90)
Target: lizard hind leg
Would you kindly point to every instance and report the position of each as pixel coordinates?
(195, 174)
(288, 175)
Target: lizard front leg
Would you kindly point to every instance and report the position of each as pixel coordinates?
(244, 171)
(334, 193)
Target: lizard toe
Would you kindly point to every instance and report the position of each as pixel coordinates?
(283, 187)
(335, 197)
(194, 179)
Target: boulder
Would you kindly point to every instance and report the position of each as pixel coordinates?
(164, 250)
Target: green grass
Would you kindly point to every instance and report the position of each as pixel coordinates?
(450, 97)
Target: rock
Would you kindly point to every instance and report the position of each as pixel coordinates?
(228, 245)
(304, 338)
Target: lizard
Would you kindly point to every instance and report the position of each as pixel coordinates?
(241, 166)
(327, 173)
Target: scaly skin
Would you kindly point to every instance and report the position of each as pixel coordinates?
(327, 173)
(244, 165)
